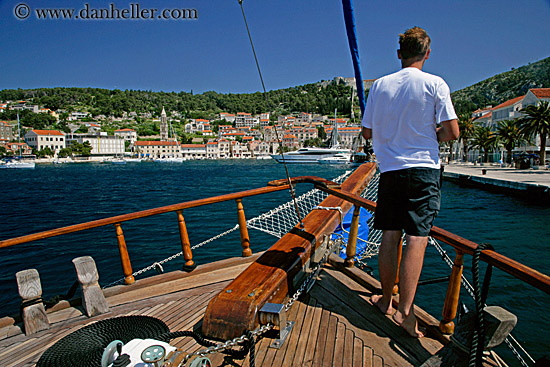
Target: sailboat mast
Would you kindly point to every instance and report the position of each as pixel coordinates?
(334, 140)
(19, 133)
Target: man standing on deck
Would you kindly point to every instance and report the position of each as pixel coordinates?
(402, 114)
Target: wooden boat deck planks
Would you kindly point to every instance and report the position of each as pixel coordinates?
(334, 327)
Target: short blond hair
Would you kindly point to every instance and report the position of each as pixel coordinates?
(414, 43)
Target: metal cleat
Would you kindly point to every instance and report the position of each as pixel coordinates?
(274, 313)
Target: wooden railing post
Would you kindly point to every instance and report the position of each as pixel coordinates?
(447, 325)
(124, 258)
(245, 240)
(351, 247)
(399, 254)
(185, 244)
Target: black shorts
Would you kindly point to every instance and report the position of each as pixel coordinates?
(408, 200)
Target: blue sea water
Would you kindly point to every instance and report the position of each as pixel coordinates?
(58, 195)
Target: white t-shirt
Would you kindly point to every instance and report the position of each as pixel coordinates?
(403, 110)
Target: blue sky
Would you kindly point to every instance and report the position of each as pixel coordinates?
(297, 42)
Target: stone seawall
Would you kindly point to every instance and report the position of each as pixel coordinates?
(539, 194)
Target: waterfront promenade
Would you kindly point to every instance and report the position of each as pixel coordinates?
(531, 184)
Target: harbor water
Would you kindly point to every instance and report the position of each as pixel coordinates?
(52, 196)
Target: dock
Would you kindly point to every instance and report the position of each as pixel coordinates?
(531, 184)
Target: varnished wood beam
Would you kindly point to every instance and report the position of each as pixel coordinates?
(271, 277)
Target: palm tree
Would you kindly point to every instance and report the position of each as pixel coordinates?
(466, 126)
(509, 136)
(537, 121)
(484, 139)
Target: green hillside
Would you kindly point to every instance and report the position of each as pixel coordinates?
(502, 87)
(312, 98)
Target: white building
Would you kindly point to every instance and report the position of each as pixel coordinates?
(129, 135)
(244, 119)
(348, 135)
(193, 151)
(40, 139)
(229, 117)
(102, 144)
(74, 116)
(157, 149)
(212, 150)
(239, 150)
(507, 111)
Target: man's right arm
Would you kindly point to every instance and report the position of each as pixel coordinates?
(448, 130)
(367, 133)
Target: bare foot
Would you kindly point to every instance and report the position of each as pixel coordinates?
(410, 324)
(377, 300)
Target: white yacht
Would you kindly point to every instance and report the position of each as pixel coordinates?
(341, 158)
(18, 164)
(308, 155)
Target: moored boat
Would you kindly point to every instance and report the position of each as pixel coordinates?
(18, 165)
(341, 158)
(308, 155)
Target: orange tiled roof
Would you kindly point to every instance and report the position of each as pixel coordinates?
(47, 132)
(541, 92)
(125, 130)
(153, 142)
(194, 145)
(509, 102)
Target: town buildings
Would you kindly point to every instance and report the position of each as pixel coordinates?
(509, 110)
(230, 135)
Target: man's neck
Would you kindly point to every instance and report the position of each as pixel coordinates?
(412, 64)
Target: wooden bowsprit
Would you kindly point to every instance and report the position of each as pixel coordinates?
(275, 275)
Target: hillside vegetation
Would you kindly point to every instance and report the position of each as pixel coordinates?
(502, 87)
(312, 98)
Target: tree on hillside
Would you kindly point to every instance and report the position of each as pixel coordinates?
(537, 121)
(509, 136)
(484, 139)
(82, 129)
(466, 126)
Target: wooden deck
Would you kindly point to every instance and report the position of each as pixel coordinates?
(335, 325)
